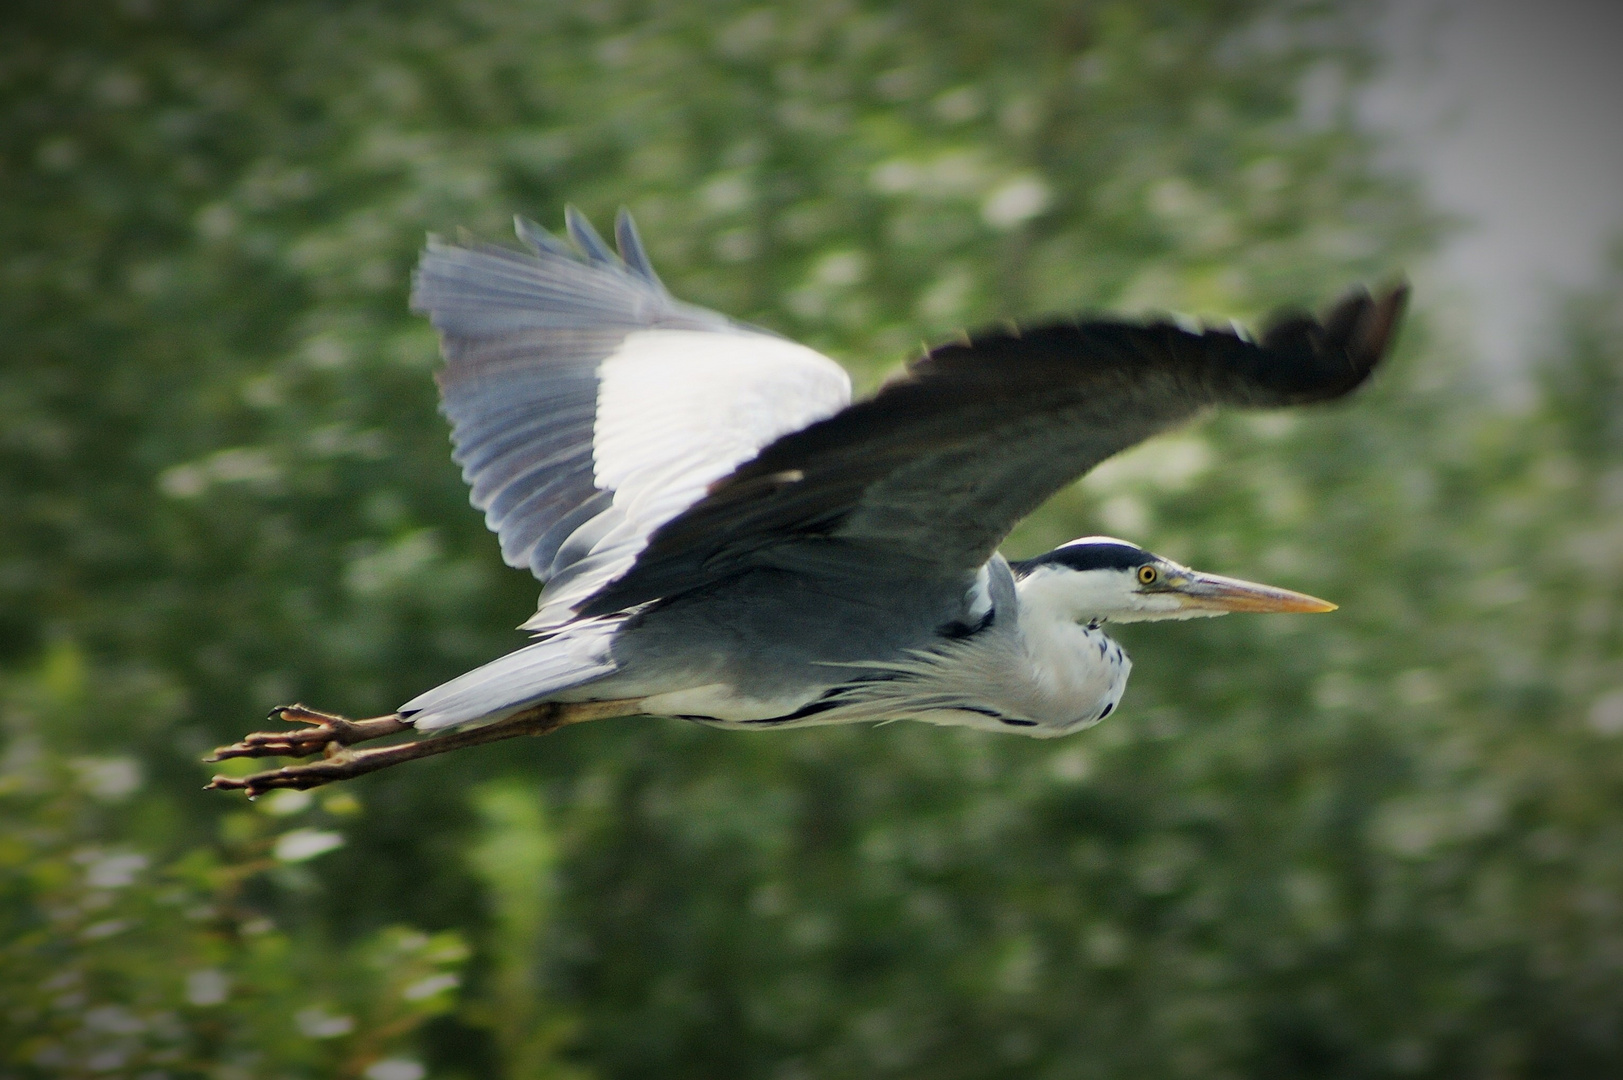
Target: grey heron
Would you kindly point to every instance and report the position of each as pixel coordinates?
(725, 537)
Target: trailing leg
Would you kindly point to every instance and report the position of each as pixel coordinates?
(332, 736)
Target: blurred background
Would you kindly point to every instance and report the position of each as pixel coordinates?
(1387, 842)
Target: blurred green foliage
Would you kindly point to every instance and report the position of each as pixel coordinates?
(1380, 843)
(126, 954)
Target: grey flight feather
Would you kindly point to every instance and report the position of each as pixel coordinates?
(523, 337)
(927, 477)
(631, 249)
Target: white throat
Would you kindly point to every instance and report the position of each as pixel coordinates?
(1073, 668)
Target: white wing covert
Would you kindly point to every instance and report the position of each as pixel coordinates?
(589, 407)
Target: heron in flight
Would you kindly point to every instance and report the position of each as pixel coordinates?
(725, 537)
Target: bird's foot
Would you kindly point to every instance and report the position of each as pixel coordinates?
(333, 736)
(326, 734)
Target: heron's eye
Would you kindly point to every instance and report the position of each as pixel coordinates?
(1147, 575)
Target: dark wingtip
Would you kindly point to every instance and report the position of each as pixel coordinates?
(1348, 342)
(1372, 336)
(1364, 325)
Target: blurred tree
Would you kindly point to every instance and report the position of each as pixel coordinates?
(124, 955)
(514, 861)
(1379, 843)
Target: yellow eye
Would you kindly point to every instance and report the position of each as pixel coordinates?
(1147, 575)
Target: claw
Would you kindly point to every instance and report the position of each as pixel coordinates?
(325, 730)
(298, 777)
(332, 736)
(304, 714)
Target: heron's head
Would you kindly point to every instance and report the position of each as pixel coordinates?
(1098, 578)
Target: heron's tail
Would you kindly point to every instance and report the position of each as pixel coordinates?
(576, 656)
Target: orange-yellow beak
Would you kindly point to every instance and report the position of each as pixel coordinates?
(1210, 592)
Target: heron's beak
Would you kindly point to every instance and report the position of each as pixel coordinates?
(1210, 592)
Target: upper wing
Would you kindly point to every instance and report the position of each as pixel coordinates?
(588, 407)
(927, 477)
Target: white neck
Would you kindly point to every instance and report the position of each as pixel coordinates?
(1073, 670)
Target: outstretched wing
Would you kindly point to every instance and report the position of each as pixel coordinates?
(588, 407)
(927, 477)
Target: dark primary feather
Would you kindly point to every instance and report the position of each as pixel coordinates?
(927, 477)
